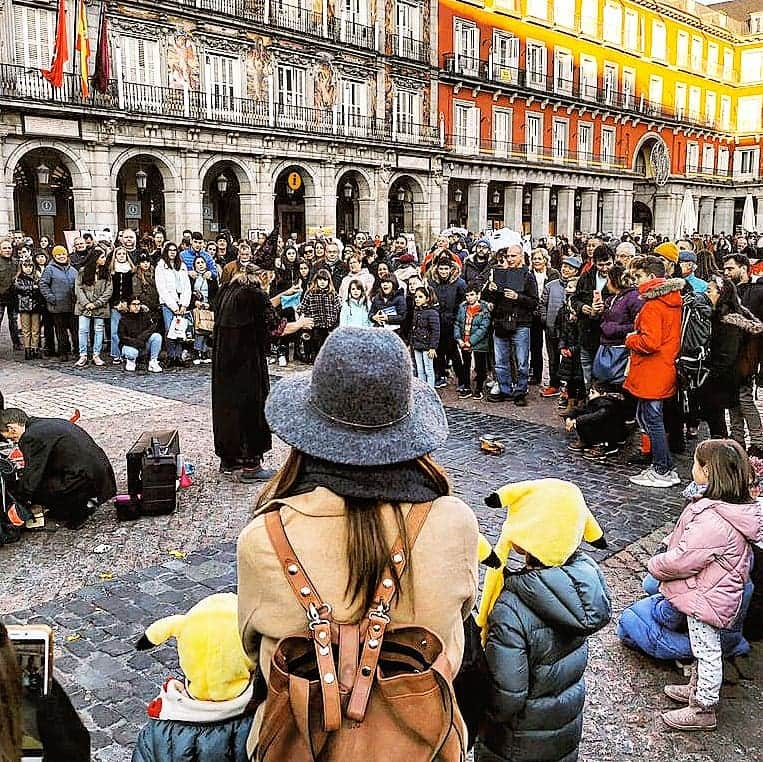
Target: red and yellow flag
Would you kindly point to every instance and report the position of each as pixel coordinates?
(83, 45)
(55, 74)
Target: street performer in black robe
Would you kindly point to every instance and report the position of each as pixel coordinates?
(65, 471)
(246, 321)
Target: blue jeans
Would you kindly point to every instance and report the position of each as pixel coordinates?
(116, 316)
(586, 362)
(649, 417)
(174, 348)
(512, 355)
(84, 334)
(424, 366)
(153, 347)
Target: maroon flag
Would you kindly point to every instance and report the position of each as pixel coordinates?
(102, 73)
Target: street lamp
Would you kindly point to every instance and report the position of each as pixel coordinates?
(222, 184)
(141, 178)
(496, 197)
(552, 201)
(347, 190)
(400, 195)
(458, 195)
(578, 203)
(43, 174)
(527, 198)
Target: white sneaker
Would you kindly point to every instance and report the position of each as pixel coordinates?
(675, 479)
(651, 478)
(282, 361)
(130, 365)
(154, 367)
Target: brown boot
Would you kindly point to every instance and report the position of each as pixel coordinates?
(683, 694)
(572, 404)
(695, 717)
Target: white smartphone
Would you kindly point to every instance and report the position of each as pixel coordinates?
(34, 650)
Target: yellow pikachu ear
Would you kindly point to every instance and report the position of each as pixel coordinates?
(592, 532)
(487, 555)
(161, 630)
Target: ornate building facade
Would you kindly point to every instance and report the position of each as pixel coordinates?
(385, 116)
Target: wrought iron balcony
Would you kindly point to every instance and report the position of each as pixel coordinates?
(403, 46)
(197, 106)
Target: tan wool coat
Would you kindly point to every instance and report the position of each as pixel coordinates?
(438, 589)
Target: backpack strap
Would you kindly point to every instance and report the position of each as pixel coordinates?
(318, 615)
(378, 617)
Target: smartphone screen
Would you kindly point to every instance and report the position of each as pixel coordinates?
(32, 659)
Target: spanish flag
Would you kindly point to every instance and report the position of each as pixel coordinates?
(55, 75)
(83, 45)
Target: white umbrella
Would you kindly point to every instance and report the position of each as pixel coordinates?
(687, 217)
(748, 215)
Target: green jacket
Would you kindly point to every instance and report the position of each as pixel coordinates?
(479, 337)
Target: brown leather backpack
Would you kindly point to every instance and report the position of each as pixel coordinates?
(358, 691)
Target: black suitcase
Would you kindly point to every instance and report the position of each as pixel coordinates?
(169, 441)
(159, 474)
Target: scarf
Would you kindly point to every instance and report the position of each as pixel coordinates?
(122, 267)
(175, 703)
(399, 482)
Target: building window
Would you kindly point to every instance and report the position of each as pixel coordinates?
(564, 13)
(34, 32)
(502, 132)
(708, 160)
(680, 100)
(612, 21)
(696, 53)
(695, 98)
(467, 43)
(588, 78)
(710, 108)
(746, 161)
(536, 65)
(561, 139)
(589, 17)
(466, 124)
(692, 158)
(355, 106)
(682, 49)
(585, 142)
(607, 145)
(712, 60)
(505, 57)
(610, 83)
(224, 81)
(407, 113)
(723, 160)
(655, 94)
(631, 30)
(534, 132)
(408, 29)
(629, 87)
(537, 9)
(291, 92)
(563, 72)
(748, 113)
(725, 112)
(658, 40)
(751, 66)
(728, 64)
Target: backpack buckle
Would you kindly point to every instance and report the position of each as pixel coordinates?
(314, 618)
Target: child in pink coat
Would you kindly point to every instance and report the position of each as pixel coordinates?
(704, 570)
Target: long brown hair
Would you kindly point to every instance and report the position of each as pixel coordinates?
(729, 471)
(368, 552)
(10, 700)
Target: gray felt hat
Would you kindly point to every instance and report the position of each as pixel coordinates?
(360, 406)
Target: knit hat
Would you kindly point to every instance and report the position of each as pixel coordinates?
(572, 262)
(361, 405)
(406, 259)
(687, 256)
(668, 250)
(59, 250)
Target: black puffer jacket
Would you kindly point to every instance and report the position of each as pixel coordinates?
(537, 654)
(425, 329)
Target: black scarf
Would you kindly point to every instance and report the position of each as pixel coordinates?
(399, 482)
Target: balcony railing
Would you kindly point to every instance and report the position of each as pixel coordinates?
(468, 145)
(20, 84)
(404, 46)
(579, 88)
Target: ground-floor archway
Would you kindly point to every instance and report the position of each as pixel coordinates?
(140, 194)
(293, 185)
(405, 197)
(221, 208)
(353, 204)
(642, 217)
(43, 202)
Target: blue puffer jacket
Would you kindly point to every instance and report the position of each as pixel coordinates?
(173, 741)
(537, 653)
(57, 287)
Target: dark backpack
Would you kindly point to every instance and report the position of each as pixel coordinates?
(694, 355)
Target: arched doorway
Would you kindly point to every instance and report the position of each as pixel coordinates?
(642, 216)
(140, 195)
(353, 204)
(222, 200)
(458, 203)
(43, 201)
(290, 202)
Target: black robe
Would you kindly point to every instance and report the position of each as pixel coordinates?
(245, 322)
(63, 466)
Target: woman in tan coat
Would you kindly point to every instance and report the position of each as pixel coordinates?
(361, 430)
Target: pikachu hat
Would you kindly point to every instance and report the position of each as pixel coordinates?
(209, 647)
(547, 518)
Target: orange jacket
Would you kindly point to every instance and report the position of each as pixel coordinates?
(656, 340)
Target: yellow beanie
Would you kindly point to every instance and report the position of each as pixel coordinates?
(668, 249)
(58, 250)
(547, 518)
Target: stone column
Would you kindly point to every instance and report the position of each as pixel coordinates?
(759, 215)
(665, 214)
(84, 218)
(102, 200)
(706, 214)
(477, 204)
(724, 215)
(189, 197)
(512, 206)
(539, 220)
(444, 196)
(6, 209)
(589, 200)
(626, 207)
(565, 212)
(609, 211)
(247, 212)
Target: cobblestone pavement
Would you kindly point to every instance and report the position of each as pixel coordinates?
(101, 586)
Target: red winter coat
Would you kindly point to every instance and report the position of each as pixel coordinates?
(656, 340)
(707, 563)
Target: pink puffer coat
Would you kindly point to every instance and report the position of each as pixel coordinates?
(708, 559)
